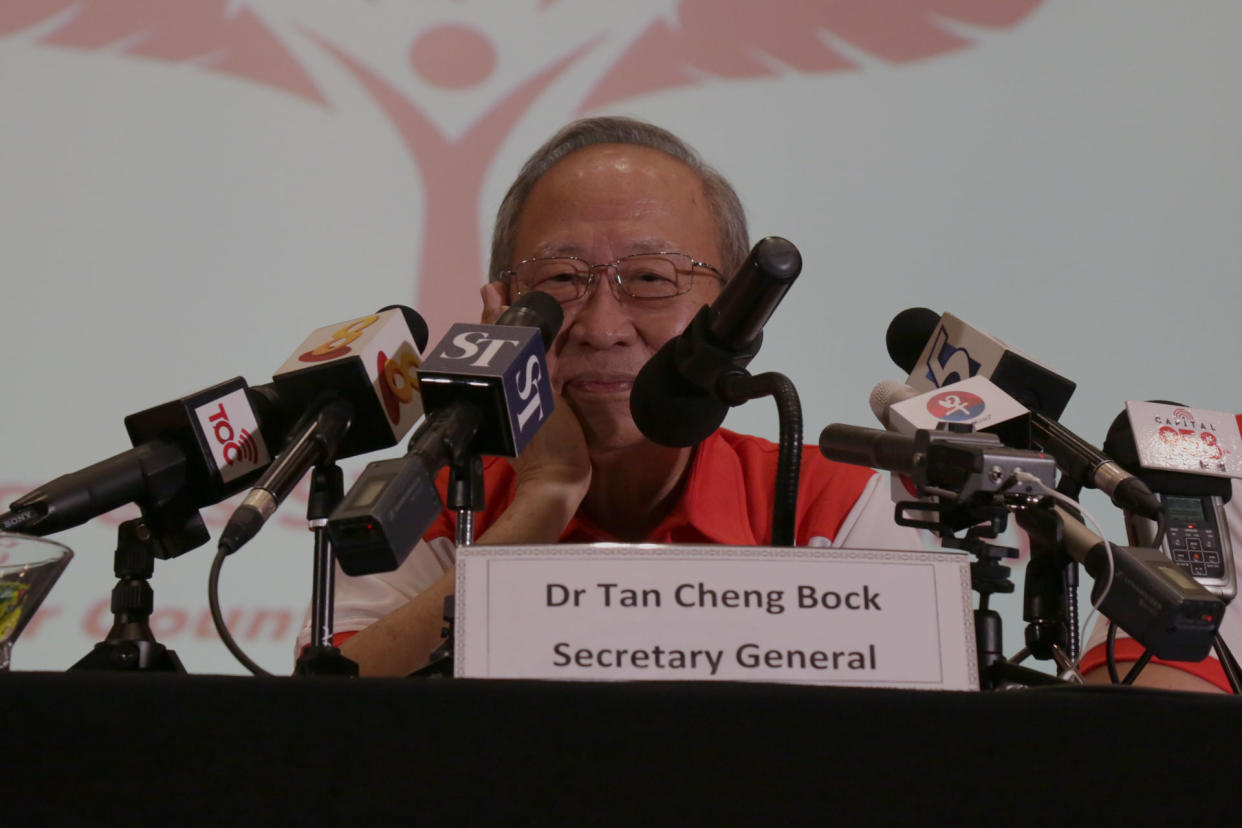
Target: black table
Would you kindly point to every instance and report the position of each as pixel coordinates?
(160, 749)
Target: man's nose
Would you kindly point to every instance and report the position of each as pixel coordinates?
(603, 320)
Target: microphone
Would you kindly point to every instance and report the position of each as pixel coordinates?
(196, 450)
(885, 395)
(501, 369)
(1196, 535)
(947, 463)
(1150, 598)
(953, 351)
(486, 390)
(686, 375)
(940, 349)
(355, 384)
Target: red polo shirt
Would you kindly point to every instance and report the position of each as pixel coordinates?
(727, 498)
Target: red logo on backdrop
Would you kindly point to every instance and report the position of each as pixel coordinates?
(1183, 414)
(956, 406)
(694, 41)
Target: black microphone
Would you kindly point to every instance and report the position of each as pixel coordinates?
(196, 450)
(486, 390)
(1196, 534)
(952, 348)
(949, 463)
(685, 376)
(353, 383)
(501, 369)
(1150, 598)
(872, 447)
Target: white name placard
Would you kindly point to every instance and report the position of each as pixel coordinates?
(653, 612)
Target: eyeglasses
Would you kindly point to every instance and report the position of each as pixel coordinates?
(643, 276)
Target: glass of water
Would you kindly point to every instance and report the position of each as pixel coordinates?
(29, 568)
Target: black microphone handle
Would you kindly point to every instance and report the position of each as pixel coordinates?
(445, 435)
(1088, 466)
(154, 470)
(751, 296)
(872, 447)
(315, 438)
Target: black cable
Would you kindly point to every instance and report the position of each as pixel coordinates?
(1137, 668)
(213, 601)
(1110, 650)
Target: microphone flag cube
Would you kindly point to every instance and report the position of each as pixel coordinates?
(503, 370)
(958, 351)
(218, 432)
(370, 361)
(976, 402)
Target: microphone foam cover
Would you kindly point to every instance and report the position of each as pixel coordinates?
(888, 393)
(536, 310)
(667, 408)
(413, 321)
(907, 335)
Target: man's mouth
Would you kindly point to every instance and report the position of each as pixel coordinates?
(600, 384)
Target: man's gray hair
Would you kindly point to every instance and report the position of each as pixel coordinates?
(722, 200)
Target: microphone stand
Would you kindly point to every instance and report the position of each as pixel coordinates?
(967, 471)
(130, 645)
(322, 657)
(736, 387)
(465, 496)
(1051, 591)
(984, 518)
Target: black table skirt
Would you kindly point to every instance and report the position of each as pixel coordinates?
(148, 749)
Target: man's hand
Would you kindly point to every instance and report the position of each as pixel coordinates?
(554, 470)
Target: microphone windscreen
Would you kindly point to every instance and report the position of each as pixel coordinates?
(413, 321)
(887, 394)
(907, 335)
(535, 310)
(667, 408)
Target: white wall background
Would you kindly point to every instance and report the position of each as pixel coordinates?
(1070, 182)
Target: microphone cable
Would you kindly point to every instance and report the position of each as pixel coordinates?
(217, 617)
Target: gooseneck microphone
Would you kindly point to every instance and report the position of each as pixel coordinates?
(920, 341)
(680, 397)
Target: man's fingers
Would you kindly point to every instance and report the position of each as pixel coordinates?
(494, 295)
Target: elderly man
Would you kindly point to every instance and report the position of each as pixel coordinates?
(633, 233)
